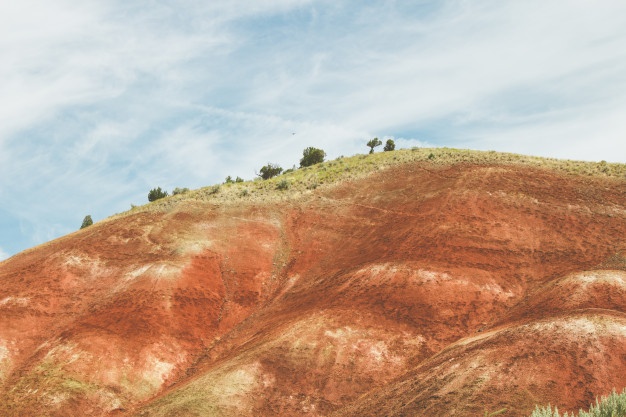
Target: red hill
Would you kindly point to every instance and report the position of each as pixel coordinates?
(468, 283)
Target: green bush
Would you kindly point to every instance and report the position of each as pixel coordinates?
(230, 180)
(390, 145)
(612, 406)
(156, 193)
(270, 171)
(178, 190)
(87, 221)
(312, 156)
(283, 185)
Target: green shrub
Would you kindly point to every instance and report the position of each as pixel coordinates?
(87, 221)
(283, 185)
(178, 190)
(214, 190)
(229, 180)
(270, 171)
(612, 406)
(390, 145)
(312, 156)
(156, 193)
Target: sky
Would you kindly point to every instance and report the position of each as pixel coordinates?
(103, 100)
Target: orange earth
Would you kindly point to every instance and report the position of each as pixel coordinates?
(418, 290)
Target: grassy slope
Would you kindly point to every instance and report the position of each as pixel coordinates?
(301, 182)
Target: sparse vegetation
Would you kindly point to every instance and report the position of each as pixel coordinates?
(390, 145)
(230, 180)
(178, 190)
(307, 179)
(269, 171)
(312, 156)
(87, 221)
(156, 194)
(373, 143)
(612, 406)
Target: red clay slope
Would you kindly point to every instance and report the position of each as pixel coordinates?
(416, 291)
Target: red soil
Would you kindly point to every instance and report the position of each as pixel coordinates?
(415, 291)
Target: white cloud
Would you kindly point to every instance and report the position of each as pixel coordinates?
(3, 255)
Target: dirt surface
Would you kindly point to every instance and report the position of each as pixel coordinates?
(419, 290)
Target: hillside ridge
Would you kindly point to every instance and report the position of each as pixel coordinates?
(388, 284)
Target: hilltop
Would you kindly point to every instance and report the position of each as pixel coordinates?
(413, 282)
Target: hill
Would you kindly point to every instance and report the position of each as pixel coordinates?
(407, 283)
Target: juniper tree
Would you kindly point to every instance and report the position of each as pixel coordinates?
(374, 143)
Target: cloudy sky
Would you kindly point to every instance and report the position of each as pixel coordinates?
(102, 100)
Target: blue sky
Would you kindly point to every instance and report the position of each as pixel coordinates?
(103, 100)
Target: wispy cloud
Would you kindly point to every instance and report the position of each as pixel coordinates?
(104, 100)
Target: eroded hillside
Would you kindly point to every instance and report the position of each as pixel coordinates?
(422, 288)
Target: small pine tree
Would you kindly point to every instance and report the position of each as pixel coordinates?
(374, 143)
(156, 193)
(390, 145)
(87, 221)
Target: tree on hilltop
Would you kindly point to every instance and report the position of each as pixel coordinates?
(374, 143)
(87, 221)
(269, 171)
(156, 193)
(312, 156)
(390, 145)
